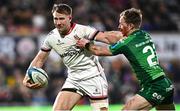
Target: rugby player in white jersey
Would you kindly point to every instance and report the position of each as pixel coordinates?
(85, 75)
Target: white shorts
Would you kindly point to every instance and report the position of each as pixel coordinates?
(96, 88)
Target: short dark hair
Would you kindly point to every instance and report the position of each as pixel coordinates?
(133, 16)
(62, 8)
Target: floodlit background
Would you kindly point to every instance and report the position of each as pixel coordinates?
(24, 23)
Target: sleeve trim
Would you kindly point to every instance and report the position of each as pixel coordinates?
(45, 50)
(94, 35)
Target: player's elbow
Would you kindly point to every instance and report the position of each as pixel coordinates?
(101, 53)
(97, 53)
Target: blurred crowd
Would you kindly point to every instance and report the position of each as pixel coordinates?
(25, 17)
(22, 23)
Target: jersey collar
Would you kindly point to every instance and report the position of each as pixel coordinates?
(71, 28)
(135, 32)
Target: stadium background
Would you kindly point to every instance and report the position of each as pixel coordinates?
(23, 23)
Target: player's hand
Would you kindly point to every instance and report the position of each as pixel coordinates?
(29, 84)
(82, 43)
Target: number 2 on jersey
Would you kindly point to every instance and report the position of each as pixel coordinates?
(151, 56)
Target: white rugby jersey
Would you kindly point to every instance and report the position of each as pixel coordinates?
(81, 63)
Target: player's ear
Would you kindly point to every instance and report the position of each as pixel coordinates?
(70, 18)
(131, 26)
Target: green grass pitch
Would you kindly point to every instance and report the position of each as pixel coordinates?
(49, 108)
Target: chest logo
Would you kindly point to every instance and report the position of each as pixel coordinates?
(73, 50)
(59, 42)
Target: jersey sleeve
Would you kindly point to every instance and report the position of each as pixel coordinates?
(87, 32)
(91, 33)
(120, 46)
(46, 45)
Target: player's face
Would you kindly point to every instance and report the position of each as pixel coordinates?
(62, 22)
(123, 26)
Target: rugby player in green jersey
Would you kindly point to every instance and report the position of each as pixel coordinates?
(157, 89)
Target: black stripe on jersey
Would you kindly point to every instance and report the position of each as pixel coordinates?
(45, 50)
(94, 35)
(69, 89)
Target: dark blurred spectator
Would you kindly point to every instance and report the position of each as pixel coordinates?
(174, 68)
(115, 79)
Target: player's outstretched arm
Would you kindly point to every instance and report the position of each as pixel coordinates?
(95, 49)
(109, 37)
(98, 50)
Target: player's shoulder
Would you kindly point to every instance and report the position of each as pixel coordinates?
(50, 36)
(52, 32)
(79, 26)
(140, 32)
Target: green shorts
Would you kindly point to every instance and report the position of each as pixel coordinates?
(158, 92)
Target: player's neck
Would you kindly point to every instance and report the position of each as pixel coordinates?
(69, 29)
(131, 31)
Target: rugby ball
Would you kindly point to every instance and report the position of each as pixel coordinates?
(38, 75)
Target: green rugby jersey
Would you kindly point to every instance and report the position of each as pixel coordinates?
(140, 51)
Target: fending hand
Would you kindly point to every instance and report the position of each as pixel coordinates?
(82, 42)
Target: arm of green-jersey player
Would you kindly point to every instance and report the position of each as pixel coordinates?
(109, 37)
(95, 49)
(99, 50)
